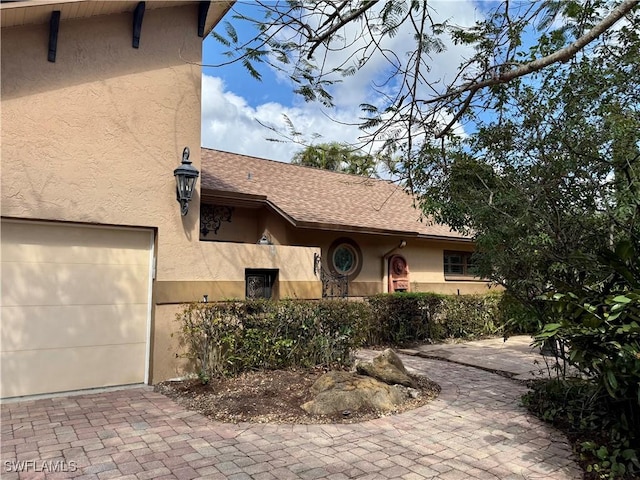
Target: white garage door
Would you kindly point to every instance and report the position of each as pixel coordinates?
(75, 307)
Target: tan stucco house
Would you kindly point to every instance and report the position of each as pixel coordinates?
(370, 236)
(99, 100)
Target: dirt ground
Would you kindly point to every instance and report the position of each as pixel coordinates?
(272, 396)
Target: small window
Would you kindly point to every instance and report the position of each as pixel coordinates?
(260, 283)
(458, 264)
(345, 258)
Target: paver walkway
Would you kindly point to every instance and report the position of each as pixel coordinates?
(515, 356)
(473, 430)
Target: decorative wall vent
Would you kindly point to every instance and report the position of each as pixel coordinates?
(398, 274)
(212, 216)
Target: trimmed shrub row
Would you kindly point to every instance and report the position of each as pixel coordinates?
(227, 338)
(403, 319)
(230, 337)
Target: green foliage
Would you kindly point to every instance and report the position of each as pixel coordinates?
(599, 323)
(408, 318)
(518, 318)
(606, 442)
(404, 318)
(338, 157)
(231, 337)
(597, 326)
(553, 176)
(210, 338)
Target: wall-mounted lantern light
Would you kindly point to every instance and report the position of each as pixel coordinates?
(186, 176)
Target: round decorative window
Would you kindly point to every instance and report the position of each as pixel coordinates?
(345, 257)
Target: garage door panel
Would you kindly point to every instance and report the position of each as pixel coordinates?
(74, 307)
(31, 243)
(44, 371)
(73, 284)
(82, 326)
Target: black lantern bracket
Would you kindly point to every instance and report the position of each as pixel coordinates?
(186, 176)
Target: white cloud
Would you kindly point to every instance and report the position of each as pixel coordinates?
(229, 123)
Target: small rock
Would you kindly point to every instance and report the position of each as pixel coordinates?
(387, 367)
(413, 393)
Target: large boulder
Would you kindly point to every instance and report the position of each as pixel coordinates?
(338, 391)
(388, 368)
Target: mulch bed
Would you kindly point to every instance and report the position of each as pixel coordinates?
(272, 396)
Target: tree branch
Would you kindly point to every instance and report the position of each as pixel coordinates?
(459, 114)
(561, 55)
(317, 41)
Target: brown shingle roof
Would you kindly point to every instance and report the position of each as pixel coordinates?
(315, 198)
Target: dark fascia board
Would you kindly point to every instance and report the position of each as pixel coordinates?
(54, 26)
(138, 16)
(353, 229)
(233, 198)
(203, 9)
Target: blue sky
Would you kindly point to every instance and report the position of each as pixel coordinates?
(233, 103)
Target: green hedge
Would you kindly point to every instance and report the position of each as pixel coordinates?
(407, 318)
(230, 337)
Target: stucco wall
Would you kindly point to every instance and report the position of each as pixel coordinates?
(424, 257)
(227, 263)
(243, 227)
(248, 224)
(95, 136)
(274, 226)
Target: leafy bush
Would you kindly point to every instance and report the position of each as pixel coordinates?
(401, 318)
(210, 337)
(471, 316)
(231, 337)
(606, 444)
(408, 318)
(600, 326)
(597, 329)
(517, 317)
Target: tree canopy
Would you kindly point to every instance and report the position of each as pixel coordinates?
(315, 44)
(338, 157)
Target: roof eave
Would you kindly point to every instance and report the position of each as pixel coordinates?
(39, 12)
(446, 238)
(354, 229)
(248, 199)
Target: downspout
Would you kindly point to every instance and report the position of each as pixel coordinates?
(385, 265)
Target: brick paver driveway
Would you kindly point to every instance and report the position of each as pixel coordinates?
(474, 430)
